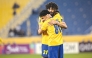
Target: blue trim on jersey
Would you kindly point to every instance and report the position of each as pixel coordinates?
(44, 50)
(55, 51)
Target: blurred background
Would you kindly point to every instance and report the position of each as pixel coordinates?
(19, 24)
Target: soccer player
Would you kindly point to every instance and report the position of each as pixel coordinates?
(44, 39)
(55, 41)
(53, 9)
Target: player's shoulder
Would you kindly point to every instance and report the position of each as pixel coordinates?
(46, 22)
(58, 14)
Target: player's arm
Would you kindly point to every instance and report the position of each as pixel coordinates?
(61, 24)
(39, 23)
(42, 28)
(40, 31)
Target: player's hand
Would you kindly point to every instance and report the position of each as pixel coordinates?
(62, 22)
(39, 26)
(63, 25)
(39, 29)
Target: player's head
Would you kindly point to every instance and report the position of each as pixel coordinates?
(52, 7)
(44, 14)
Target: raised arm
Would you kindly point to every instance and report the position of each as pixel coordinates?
(42, 28)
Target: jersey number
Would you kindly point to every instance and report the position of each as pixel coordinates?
(57, 29)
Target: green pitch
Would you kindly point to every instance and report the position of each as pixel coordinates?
(80, 55)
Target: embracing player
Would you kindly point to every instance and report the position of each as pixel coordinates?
(55, 41)
(56, 17)
(44, 40)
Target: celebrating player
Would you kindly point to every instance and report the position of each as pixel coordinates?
(55, 41)
(53, 9)
(44, 39)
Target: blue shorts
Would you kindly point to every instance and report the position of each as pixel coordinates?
(44, 50)
(55, 51)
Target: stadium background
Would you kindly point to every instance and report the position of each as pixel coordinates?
(18, 28)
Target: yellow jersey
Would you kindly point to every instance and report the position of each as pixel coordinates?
(58, 17)
(44, 34)
(55, 34)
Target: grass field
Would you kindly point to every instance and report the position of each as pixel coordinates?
(81, 55)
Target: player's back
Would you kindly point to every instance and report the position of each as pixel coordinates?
(57, 17)
(54, 32)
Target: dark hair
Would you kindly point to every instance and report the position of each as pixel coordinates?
(53, 5)
(44, 12)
